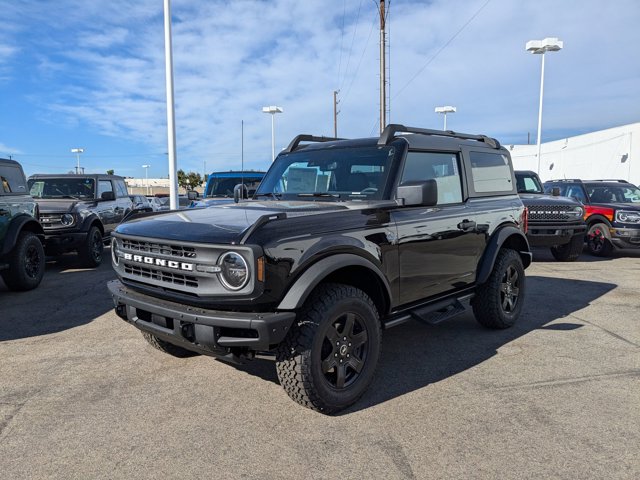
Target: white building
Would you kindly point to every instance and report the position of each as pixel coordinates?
(607, 154)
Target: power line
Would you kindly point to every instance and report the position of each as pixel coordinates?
(353, 38)
(442, 48)
(344, 12)
(364, 50)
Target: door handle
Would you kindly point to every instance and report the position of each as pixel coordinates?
(467, 225)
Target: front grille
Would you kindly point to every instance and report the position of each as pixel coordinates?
(51, 220)
(538, 213)
(162, 276)
(159, 248)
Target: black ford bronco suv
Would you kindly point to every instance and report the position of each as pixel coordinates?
(342, 239)
(22, 258)
(612, 212)
(78, 211)
(554, 221)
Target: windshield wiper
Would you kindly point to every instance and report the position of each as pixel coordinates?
(275, 196)
(320, 194)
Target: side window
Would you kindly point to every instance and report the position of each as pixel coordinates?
(104, 186)
(12, 180)
(121, 188)
(442, 167)
(491, 172)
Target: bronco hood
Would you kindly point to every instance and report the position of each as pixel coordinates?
(56, 205)
(540, 199)
(219, 224)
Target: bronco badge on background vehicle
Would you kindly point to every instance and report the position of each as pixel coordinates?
(342, 239)
(22, 259)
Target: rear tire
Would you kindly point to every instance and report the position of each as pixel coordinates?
(329, 356)
(569, 252)
(91, 251)
(167, 347)
(26, 266)
(598, 241)
(498, 301)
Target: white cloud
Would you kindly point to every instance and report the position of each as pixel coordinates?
(231, 58)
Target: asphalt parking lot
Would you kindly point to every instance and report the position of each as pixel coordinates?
(82, 395)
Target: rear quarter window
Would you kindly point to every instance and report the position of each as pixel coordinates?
(491, 172)
(12, 181)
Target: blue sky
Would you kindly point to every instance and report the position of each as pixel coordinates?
(77, 73)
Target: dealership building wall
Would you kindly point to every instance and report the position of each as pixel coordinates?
(606, 154)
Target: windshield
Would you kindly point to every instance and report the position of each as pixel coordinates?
(62, 188)
(223, 186)
(614, 194)
(527, 183)
(356, 173)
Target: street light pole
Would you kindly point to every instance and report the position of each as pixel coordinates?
(77, 151)
(444, 110)
(272, 110)
(171, 124)
(146, 175)
(540, 47)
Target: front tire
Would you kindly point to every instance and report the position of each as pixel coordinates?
(26, 267)
(328, 358)
(498, 301)
(91, 251)
(569, 252)
(598, 241)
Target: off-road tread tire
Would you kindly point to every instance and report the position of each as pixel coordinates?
(84, 252)
(15, 277)
(167, 347)
(486, 304)
(569, 252)
(607, 248)
(293, 355)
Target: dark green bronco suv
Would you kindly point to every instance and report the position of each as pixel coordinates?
(21, 236)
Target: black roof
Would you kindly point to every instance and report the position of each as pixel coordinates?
(100, 176)
(10, 162)
(415, 137)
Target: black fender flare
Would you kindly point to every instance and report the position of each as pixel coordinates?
(312, 276)
(597, 218)
(16, 226)
(507, 234)
(85, 226)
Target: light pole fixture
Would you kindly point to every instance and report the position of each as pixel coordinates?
(540, 47)
(444, 110)
(77, 151)
(146, 175)
(272, 110)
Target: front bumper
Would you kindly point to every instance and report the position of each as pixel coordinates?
(625, 237)
(547, 235)
(211, 332)
(64, 241)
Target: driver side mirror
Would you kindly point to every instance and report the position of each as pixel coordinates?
(418, 193)
(240, 191)
(192, 195)
(108, 196)
(555, 191)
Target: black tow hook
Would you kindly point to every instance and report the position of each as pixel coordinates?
(121, 311)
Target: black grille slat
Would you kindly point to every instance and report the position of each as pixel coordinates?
(550, 212)
(162, 276)
(159, 248)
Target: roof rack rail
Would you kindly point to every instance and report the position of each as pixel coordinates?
(393, 128)
(564, 180)
(307, 138)
(618, 180)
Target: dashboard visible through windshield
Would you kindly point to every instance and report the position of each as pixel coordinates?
(62, 188)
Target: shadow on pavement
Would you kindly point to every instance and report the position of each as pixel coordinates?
(68, 296)
(416, 355)
(543, 255)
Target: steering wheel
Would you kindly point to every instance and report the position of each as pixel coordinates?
(369, 190)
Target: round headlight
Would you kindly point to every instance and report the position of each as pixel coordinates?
(579, 211)
(67, 219)
(234, 273)
(115, 251)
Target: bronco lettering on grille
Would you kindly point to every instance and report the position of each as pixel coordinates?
(160, 262)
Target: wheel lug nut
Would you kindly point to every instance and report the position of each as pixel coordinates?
(344, 338)
(347, 355)
(335, 354)
(349, 344)
(340, 360)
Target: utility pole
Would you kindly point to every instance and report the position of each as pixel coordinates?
(383, 82)
(335, 113)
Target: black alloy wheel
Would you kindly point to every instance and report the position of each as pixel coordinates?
(598, 241)
(329, 357)
(510, 289)
(91, 251)
(27, 263)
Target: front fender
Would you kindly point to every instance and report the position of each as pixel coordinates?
(304, 285)
(508, 236)
(17, 225)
